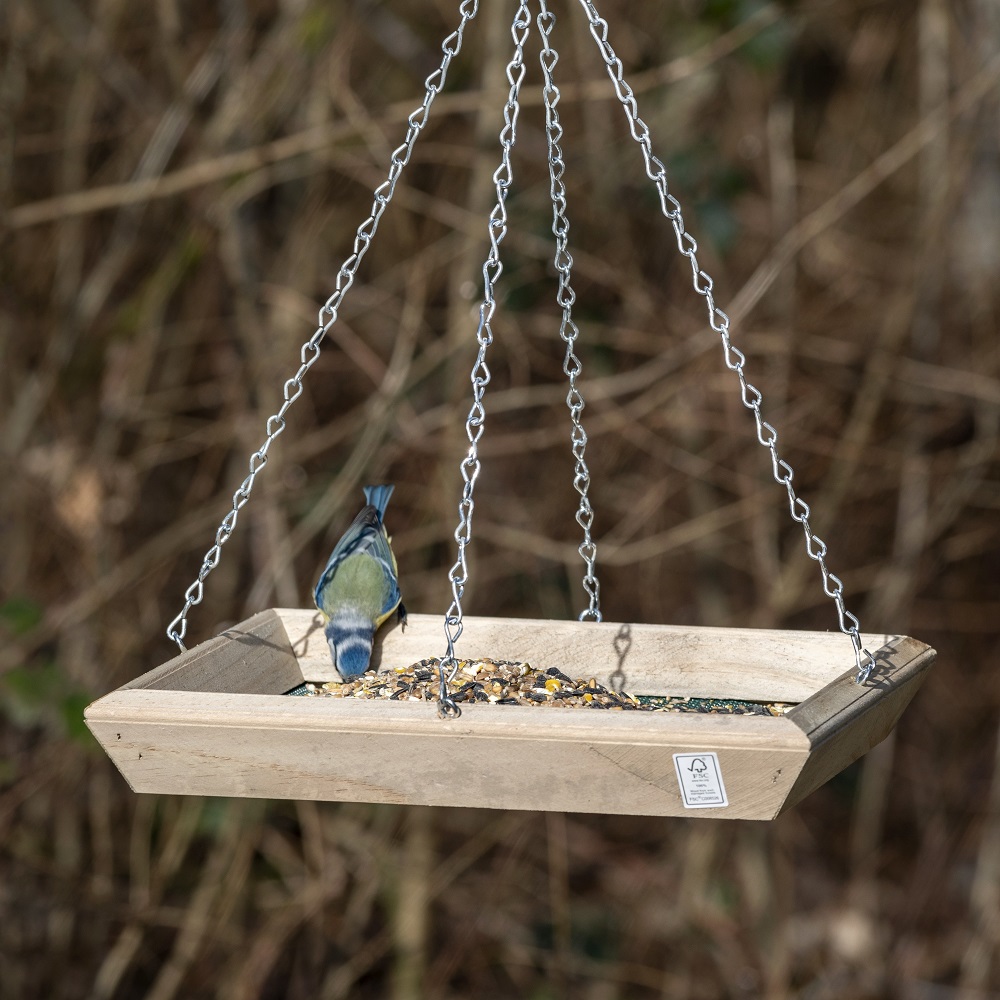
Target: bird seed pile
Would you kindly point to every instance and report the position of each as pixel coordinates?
(503, 682)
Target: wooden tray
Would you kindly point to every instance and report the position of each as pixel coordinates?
(215, 721)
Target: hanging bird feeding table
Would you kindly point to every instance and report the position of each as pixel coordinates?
(218, 719)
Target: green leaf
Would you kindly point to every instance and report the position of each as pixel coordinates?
(20, 615)
(71, 710)
(41, 696)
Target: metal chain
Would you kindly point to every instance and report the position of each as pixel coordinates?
(476, 421)
(734, 358)
(309, 354)
(565, 297)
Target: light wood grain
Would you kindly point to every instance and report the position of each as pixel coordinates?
(254, 657)
(510, 758)
(402, 719)
(213, 722)
(754, 664)
(845, 720)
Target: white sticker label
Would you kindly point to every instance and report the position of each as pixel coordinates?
(700, 778)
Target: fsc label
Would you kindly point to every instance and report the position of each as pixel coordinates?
(700, 779)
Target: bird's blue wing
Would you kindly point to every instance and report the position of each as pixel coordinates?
(362, 534)
(382, 552)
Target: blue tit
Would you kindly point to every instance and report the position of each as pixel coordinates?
(359, 589)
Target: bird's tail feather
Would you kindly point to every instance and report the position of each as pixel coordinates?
(378, 497)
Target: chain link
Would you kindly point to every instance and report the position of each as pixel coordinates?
(734, 358)
(309, 354)
(476, 421)
(565, 297)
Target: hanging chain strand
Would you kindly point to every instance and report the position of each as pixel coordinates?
(480, 377)
(565, 297)
(451, 46)
(734, 358)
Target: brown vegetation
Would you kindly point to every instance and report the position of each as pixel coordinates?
(179, 184)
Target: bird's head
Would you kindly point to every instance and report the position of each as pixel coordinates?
(350, 646)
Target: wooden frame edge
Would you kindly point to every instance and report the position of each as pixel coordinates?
(845, 721)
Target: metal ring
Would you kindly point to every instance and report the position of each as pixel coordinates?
(447, 709)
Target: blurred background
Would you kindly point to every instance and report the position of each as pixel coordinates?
(179, 185)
